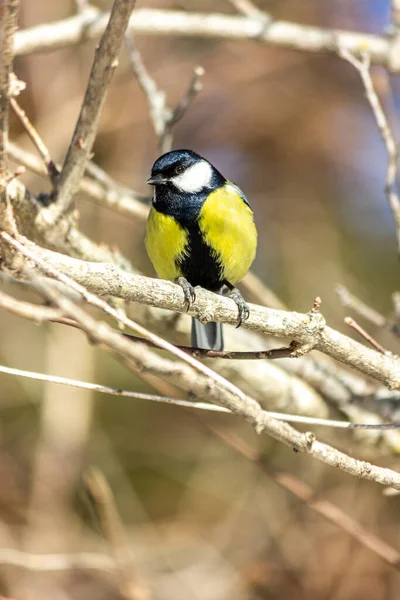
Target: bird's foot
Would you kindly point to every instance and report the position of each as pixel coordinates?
(188, 291)
(236, 296)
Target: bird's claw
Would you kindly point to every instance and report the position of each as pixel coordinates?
(244, 311)
(188, 292)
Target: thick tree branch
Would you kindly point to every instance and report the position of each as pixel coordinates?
(79, 152)
(309, 331)
(89, 24)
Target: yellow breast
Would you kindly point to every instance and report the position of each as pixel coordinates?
(165, 242)
(228, 227)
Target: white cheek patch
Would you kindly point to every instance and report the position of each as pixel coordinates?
(195, 178)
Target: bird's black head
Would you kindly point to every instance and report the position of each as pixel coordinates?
(184, 171)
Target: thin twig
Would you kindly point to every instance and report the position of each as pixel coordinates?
(79, 151)
(55, 562)
(30, 311)
(349, 300)
(132, 586)
(50, 165)
(162, 116)
(104, 389)
(95, 172)
(246, 7)
(180, 109)
(272, 354)
(363, 66)
(156, 98)
(364, 334)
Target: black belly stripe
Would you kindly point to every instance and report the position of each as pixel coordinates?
(200, 265)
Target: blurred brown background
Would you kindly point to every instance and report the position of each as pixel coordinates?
(295, 132)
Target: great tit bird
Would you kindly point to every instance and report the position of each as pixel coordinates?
(200, 232)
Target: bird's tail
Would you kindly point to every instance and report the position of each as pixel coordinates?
(207, 336)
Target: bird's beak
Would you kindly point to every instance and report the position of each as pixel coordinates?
(157, 180)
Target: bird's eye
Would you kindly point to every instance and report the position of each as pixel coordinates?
(179, 169)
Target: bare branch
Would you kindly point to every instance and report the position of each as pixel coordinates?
(363, 67)
(79, 152)
(8, 26)
(91, 24)
(156, 98)
(51, 169)
(179, 111)
(162, 116)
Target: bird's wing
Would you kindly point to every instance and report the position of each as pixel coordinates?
(226, 223)
(239, 192)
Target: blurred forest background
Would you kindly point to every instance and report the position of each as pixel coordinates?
(294, 130)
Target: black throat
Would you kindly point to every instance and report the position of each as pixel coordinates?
(183, 207)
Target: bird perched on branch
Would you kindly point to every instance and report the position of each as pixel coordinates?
(200, 232)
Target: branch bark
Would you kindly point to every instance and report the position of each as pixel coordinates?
(8, 26)
(79, 151)
(90, 24)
